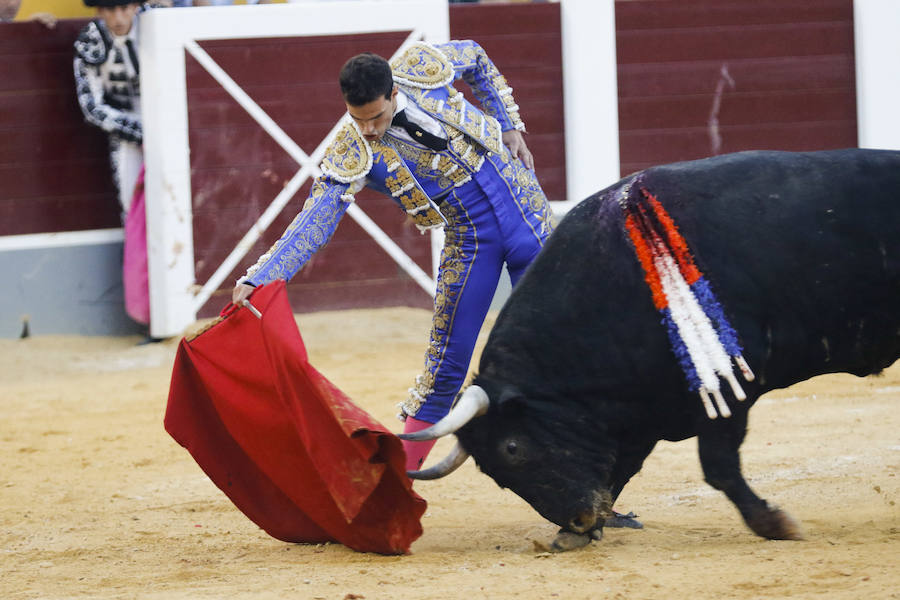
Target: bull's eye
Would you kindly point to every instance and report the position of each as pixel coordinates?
(512, 451)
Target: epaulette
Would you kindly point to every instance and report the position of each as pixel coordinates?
(92, 46)
(349, 156)
(422, 66)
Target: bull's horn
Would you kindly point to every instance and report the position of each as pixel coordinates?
(474, 402)
(450, 463)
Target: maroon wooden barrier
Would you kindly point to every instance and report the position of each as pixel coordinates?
(525, 42)
(54, 168)
(791, 63)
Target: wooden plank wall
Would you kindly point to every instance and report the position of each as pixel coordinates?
(54, 168)
(789, 85)
(525, 42)
(791, 63)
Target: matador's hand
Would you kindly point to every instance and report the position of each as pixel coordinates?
(240, 293)
(514, 140)
(48, 20)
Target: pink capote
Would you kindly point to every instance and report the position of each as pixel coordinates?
(290, 450)
(134, 264)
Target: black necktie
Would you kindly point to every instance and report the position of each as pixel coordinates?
(132, 54)
(428, 140)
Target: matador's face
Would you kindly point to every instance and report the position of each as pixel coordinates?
(374, 118)
(118, 19)
(8, 9)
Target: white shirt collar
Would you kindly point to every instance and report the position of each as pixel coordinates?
(402, 101)
(417, 116)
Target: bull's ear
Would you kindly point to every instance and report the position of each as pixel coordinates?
(510, 399)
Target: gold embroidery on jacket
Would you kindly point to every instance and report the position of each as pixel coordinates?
(472, 55)
(424, 66)
(403, 186)
(288, 253)
(349, 156)
(481, 127)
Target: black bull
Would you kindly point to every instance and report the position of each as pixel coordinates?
(578, 380)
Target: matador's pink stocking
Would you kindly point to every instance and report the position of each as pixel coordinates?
(416, 451)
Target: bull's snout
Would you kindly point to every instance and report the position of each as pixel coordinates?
(593, 515)
(583, 522)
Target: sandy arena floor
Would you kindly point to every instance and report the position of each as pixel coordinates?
(97, 501)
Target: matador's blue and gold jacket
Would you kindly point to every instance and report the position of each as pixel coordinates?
(413, 178)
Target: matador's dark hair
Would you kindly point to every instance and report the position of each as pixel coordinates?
(364, 78)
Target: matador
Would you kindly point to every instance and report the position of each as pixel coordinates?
(414, 137)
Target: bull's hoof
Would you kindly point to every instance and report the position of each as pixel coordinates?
(620, 520)
(775, 524)
(566, 540)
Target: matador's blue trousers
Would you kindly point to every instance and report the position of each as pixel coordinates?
(500, 216)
